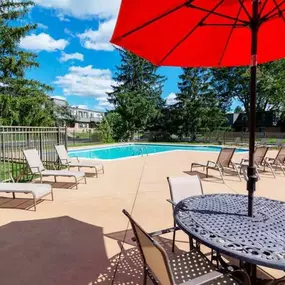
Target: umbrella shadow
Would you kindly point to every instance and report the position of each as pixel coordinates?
(56, 251)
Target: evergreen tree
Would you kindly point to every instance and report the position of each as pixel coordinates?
(197, 105)
(137, 95)
(22, 101)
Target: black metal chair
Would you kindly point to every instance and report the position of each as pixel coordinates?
(191, 268)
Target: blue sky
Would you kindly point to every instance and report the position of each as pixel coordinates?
(72, 43)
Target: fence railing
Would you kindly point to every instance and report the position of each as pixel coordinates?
(14, 139)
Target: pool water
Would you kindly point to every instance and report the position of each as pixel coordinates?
(132, 150)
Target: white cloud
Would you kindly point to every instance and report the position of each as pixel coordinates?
(70, 56)
(68, 32)
(86, 81)
(104, 104)
(99, 39)
(59, 97)
(171, 99)
(42, 26)
(41, 42)
(83, 8)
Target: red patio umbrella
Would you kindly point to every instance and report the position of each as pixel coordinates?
(206, 33)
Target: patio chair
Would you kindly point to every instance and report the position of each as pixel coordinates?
(189, 268)
(67, 161)
(37, 191)
(259, 160)
(223, 163)
(278, 161)
(263, 142)
(37, 168)
(181, 188)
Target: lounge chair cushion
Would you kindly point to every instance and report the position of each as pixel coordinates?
(39, 190)
(64, 173)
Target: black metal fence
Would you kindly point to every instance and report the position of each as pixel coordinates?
(14, 139)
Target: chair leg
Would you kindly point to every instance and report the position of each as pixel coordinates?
(103, 169)
(144, 275)
(76, 182)
(221, 174)
(96, 172)
(55, 179)
(173, 239)
(51, 193)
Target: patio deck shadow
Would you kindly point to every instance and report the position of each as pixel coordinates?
(55, 251)
(19, 203)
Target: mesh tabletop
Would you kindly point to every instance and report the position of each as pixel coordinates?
(220, 221)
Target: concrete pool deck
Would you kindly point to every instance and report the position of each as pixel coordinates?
(77, 239)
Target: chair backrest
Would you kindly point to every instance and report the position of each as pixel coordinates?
(281, 154)
(154, 256)
(259, 154)
(225, 156)
(62, 154)
(184, 186)
(33, 160)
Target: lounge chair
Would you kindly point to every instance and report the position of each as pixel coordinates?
(279, 142)
(278, 161)
(37, 168)
(67, 161)
(259, 160)
(191, 268)
(263, 142)
(181, 188)
(223, 163)
(38, 191)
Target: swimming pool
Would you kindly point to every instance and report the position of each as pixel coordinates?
(133, 150)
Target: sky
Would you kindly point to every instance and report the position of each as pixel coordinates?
(74, 53)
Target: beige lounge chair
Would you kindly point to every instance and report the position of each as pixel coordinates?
(67, 161)
(223, 163)
(181, 188)
(38, 191)
(278, 161)
(189, 268)
(259, 160)
(37, 168)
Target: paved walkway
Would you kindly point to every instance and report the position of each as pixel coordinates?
(81, 237)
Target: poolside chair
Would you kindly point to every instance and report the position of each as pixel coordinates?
(278, 161)
(67, 161)
(37, 191)
(259, 160)
(191, 268)
(263, 142)
(37, 168)
(223, 163)
(279, 142)
(181, 188)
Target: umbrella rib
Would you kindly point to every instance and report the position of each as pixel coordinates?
(263, 7)
(230, 35)
(273, 16)
(191, 32)
(218, 14)
(245, 10)
(279, 11)
(157, 18)
(272, 10)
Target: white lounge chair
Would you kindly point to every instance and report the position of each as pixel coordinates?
(67, 161)
(182, 188)
(38, 191)
(37, 168)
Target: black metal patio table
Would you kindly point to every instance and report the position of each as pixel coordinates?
(220, 221)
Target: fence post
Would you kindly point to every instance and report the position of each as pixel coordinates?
(66, 138)
(41, 146)
(58, 136)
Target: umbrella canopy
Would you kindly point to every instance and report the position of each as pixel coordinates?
(206, 33)
(209, 33)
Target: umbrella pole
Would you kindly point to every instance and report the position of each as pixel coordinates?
(251, 172)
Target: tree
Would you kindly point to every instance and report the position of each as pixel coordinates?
(238, 109)
(233, 83)
(197, 105)
(22, 101)
(137, 94)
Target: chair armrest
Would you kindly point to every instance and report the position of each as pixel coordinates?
(39, 171)
(171, 202)
(77, 158)
(211, 162)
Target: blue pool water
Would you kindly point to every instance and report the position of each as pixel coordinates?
(131, 150)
